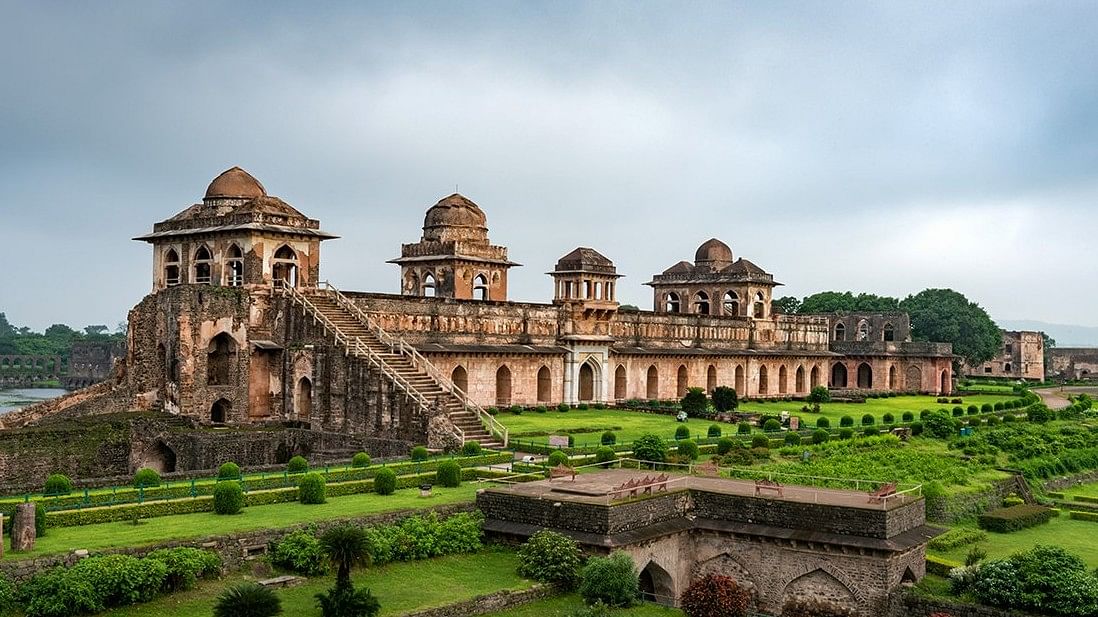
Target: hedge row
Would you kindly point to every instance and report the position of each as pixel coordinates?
(939, 566)
(1084, 516)
(1014, 518)
(183, 490)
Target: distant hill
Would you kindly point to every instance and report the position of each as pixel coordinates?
(1064, 335)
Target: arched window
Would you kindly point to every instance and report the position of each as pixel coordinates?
(652, 391)
(741, 388)
(620, 384)
(586, 383)
(480, 287)
(284, 266)
(892, 377)
(503, 386)
(838, 375)
(760, 306)
(171, 268)
(865, 376)
(1006, 367)
(889, 332)
(783, 380)
(671, 302)
(731, 304)
(840, 331)
(203, 266)
(711, 379)
(545, 384)
(764, 382)
(220, 356)
(799, 382)
(429, 285)
(680, 382)
(220, 410)
(814, 377)
(303, 401)
(701, 303)
(863, 330)
(234, 265)
(460, 378)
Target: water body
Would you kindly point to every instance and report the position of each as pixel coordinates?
(11, 400)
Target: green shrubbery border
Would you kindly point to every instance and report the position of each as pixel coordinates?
(1014, 518)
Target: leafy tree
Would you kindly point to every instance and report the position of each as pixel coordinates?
(1048, 340)
(695, 403)
(248, 600)
(551, 557)
(946, 316)
(786, 305)
(611, 580)
(6, 328)
(649, 447)
(724, 399)
(939, 424)
(715, 596)
(346, 546)
(846, 302)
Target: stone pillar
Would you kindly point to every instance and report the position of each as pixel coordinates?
(22, 528)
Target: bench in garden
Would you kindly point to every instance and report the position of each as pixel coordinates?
(886, 490)
(768, 485)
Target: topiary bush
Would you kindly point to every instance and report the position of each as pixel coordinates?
(605, 454)
(760, 441)
(247, 600)
(715, 596)
(228, 497)
(772, 425)
(846, 421)
(228, 471)
(714, 431)
(695, 403)
(611, 580)
(552, 558)
(823, 423)
(916, 428)
(682, 432)
(743, 428)
(360, 460)
(792, 439)
(908, 416)
(563, 407)
(57, 484)
(609, 438)
(725, 445)
(557, 458)
(448, 474)
(312, 490)
(649, 447)
(846, 433)
(688, 448)
(146, 478)
(888, 418)
(420, 453)
(868, 419)
(471, 448)
(516, 409)
(820, 436)
(297, 464)
(385, 481)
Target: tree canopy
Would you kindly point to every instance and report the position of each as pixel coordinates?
(947, 316)
(55, 341)
(846, 302)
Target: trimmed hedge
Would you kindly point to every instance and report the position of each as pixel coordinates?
(1084, 516)
(939, 566)
(448, 474)
(311, 490)
(228, 497)
(1006, 520)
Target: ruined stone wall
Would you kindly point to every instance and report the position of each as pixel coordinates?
(1075, 362)
(91, 362)
(1022, 356)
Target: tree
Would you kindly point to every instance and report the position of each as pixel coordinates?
(786, 305)
(846, 302)
(248, 600)
(724, 399)
(551, 557)
(1049, 343)
(6, 328)
(715, 596)
(650, 447)
(946, 316)
(611, 580)
(819, 394)
(346, 547)
(695, 403)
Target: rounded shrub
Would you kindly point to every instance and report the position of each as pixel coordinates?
(715, 595)
(609, 438)
(471, 448)
(551, 558)
(516, 409)
(582, 407)
(611, 580)
(760, 441)
(688, 448)
(682, 432)
(39, 519)
(563, 407)
(228, 471)
(908, 416)
(846, 432)
(557, 457)
(916, 428)
(998, 406)
(973, 410)
(650, 447)
(888, 419)
(360, 460)
(297, 464)
(385, 482)
(1009, 418)
(868, 419)
(541, 409)
(714, 431)
(725, 445)
(924, 413)
(958, 411)
(146, 478)
(992, 420)
(846, 421)
(420, 453)
(311, 489)
(987, 408)
(248, 600)
(605, 454)
(772, 425)
(57, 484)
(743, 428)
(939, 425)
(792, 439)
(228, 497)
(823, 423)
(448, 474)
(820, 436)
(871, 431)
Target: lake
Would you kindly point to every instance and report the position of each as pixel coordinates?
(21, 397)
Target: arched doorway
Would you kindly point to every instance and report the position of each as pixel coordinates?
(620, 384)
(303, 400)
(764, 382)
(656, 585)
(220, 356)
(740, 389)
(652, 391)
(503, 386)
(799, 380)
(460, 378)
(892, 377)
(545, 384)
(220, 410)
(838, 375)
(865, 376)
(586, 383)
(814, 378)
(945, 385)
(680, 382)
(160, 458)
(284, 266)
(711, 379)
(783, 380)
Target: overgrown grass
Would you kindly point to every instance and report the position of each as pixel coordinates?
(400, 587)
(562, 606)
(203, 524)
(1073, 535)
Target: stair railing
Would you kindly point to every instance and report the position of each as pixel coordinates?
(399, 345)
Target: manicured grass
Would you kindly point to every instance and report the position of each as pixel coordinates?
(399, 587)
(562, 606)
(203, 524)
(1086, 490)
(877, 406)
(1073, 535)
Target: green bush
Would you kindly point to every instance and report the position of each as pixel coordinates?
(516, 409)
(552, 558)
(846, 421)
(39, 519)
(605, 454)
(998, 406)
(582, 407)
(973, 410)
(868, 419)
(1009, 418)
(297, 464)
(609, 438)
(1040, 414)
(682, 432)
(448, 474)
(772, 426)
(563, 407)
(385, 481)
(823, 423)
(939, 425)
(300, 551)
(907, 417)
(1006, 520)
(819, 394)
(871, 431)
(688, 448)
(760, 441)
(57, 484)
(312, 490)
(714, 431)
(846, 433)
(360, 460)
(888, 418)
(343, 600)
(916, 428)
(471, 448)
(184, 565)
(695, 403)
(146, 478)
(743, 428)
(557, 458)
(247, 599)
(611, 580)
(650, 447)
(958, 412)
(956, 538)
(420, 453)
(724, 399)
(228, 471)
(228, 497)
(119, 580)
(725, 445)
(792, 439)
(820, 436)
(1044, 579)
(54, 594)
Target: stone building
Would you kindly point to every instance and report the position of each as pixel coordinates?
(1022, 356)
(238, 331)
(1074, 363)
(91, 362)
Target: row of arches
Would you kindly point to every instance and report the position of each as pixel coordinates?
(427, 285)
(700, 304)
(284, 266)
(50, 364)
(863, 332)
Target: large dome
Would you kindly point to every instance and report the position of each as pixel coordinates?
(235, 183)
(713, 251)
(455, 211)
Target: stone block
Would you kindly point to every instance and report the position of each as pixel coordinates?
(23, 533)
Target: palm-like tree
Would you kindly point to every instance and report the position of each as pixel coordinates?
(248, 600)
(346, 547)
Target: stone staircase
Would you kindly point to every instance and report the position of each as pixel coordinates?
(399, 361)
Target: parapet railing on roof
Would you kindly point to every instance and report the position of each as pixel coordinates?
(399, 345)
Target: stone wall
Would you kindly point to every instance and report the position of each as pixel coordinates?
(909, 604)
(1074, 362)
(489, 603)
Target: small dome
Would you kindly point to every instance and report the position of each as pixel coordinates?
(713, 251)
(455, 211)
(235, 183)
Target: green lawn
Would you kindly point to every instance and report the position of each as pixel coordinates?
(400, 587)
(1074, 536)
(1086, 490)
(202, 524)
(876, 406)
(562, 606)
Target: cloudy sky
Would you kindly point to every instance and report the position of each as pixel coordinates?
(883, 147)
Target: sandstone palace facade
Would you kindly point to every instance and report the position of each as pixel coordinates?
(240, 329)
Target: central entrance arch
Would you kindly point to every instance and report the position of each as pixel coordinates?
(586, 383)
(656, 585)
